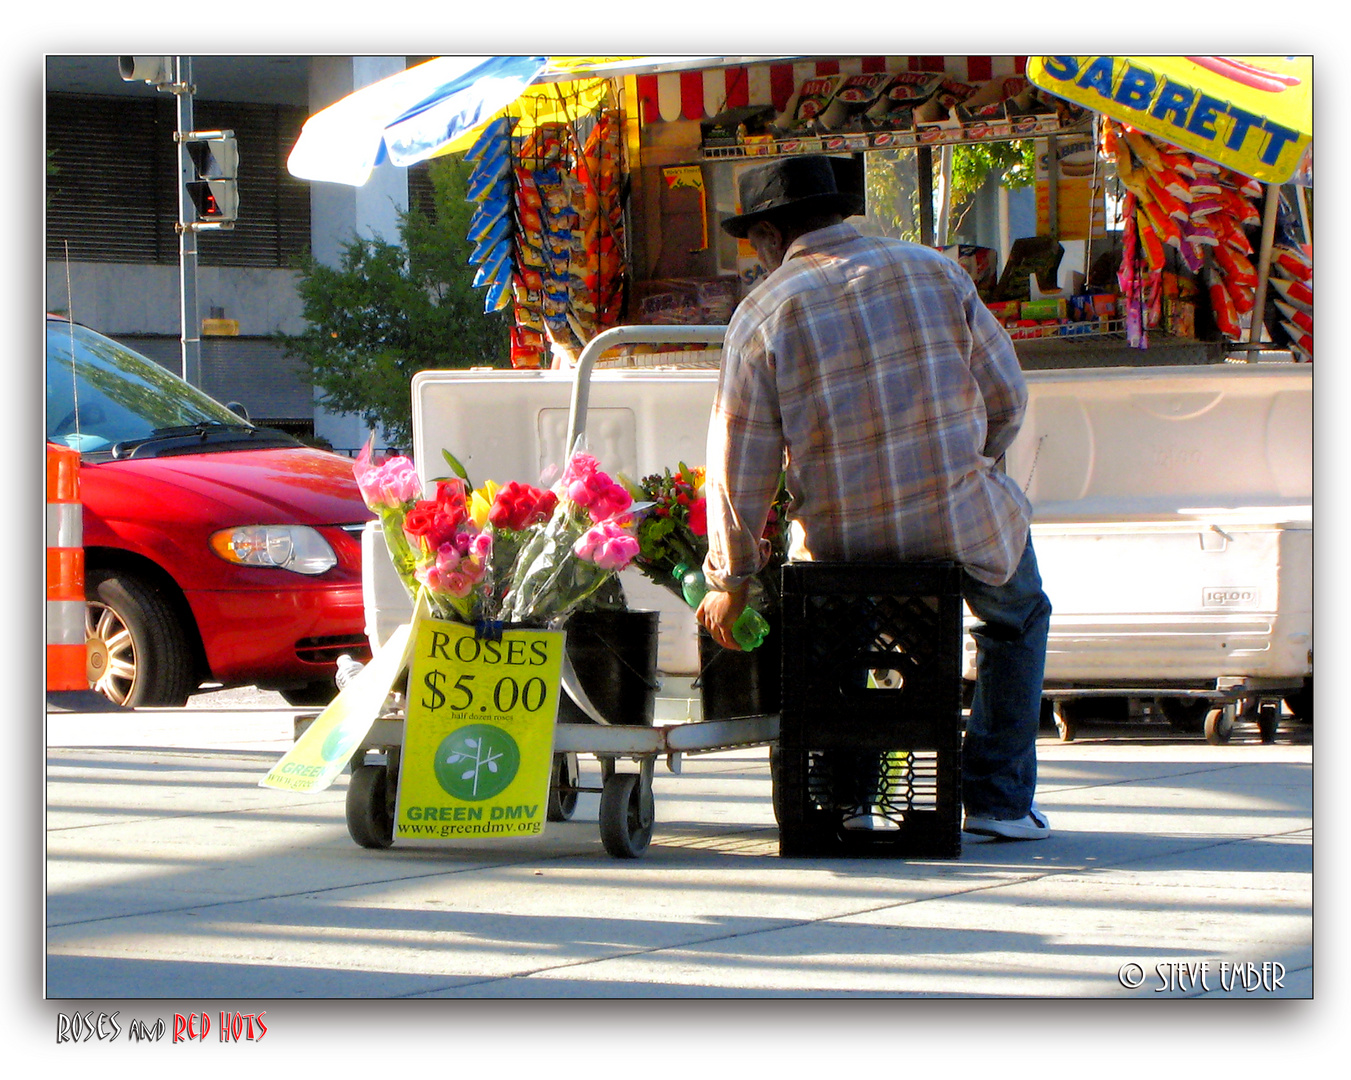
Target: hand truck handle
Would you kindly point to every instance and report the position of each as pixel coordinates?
(625, 335)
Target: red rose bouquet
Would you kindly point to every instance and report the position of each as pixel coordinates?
(513, 553)
(451, 553)
(674, 531)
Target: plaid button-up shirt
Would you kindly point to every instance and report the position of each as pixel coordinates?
(870, 369)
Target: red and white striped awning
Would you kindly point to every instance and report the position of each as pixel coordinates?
(696, 95)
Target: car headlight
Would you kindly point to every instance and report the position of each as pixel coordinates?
(288, 547)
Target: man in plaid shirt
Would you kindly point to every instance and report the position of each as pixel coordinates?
(870, 369)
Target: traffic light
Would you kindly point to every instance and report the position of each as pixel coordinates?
(156, 70)
(215, 164)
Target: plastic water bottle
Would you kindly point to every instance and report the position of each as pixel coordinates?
(750, 629)
(348, 670)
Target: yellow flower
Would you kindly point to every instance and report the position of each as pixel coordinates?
(481, 502)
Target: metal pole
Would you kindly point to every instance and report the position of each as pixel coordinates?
(942, 224)
(613, 338)
(1093, 204)
(1264, 264)
(1053, 187)
(190, 324)
(1005, 244)
(925, 164)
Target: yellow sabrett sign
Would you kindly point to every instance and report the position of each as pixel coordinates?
(1253, 114)
(478, 737)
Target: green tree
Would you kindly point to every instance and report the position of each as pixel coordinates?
(893, 193)
(388, 311)
(1015, 161)
(893, 187)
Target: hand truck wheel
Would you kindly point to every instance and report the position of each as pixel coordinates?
(563, 788)
(369, 821)
(626, 815)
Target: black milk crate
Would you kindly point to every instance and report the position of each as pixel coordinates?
(871, 709)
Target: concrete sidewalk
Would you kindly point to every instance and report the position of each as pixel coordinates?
(1175, 868)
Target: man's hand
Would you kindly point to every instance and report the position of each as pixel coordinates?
(719, 611)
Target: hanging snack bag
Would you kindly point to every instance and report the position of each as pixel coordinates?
(530, 279)
(1235, 266)
(529, 315)
(1295, 293)
(490, 178)
(1226, 315)
(494, 134)
(530, 221)
(498, 295)
(530, 250)
(1293, 264)
(486, 215)
(496, 267)
(491, 241)
(527, 194)
(1301, 320)
(1232, 234)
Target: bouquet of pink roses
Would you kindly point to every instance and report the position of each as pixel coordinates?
(513, 553)
(586, 540)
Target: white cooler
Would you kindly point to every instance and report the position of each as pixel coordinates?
(1174, 525)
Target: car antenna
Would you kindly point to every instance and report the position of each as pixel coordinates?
(70, 325)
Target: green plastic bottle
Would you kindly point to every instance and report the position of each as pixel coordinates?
(750, 629)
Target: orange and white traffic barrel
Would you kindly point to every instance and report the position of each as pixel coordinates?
(67, 657)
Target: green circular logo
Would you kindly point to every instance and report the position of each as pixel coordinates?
(341, 741)
(476, 762)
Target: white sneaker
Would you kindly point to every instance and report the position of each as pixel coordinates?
(867, 819)
(1033, 826)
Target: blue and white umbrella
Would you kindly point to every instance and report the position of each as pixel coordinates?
(433, 108)
(408, 117)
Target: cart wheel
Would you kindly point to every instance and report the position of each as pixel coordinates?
(563, 788)
(1220, 725)
(1301, 703)
(1268, 720)
(625, 816)
(1065, 727)
(368, 819)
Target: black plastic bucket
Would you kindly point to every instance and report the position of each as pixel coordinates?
(733, 683)
(615, 656)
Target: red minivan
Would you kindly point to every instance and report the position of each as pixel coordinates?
(216, 551)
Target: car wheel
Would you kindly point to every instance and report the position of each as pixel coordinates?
(315, 693)
(149, 656)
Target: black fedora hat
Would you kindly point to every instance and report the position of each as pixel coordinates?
(807, 183)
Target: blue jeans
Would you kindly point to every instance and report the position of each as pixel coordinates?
(999, 756)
